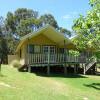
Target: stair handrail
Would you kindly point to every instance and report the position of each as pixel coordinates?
(91, 61)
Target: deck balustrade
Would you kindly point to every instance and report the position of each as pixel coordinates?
(54, 58)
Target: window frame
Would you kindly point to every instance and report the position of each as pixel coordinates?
(49, 49)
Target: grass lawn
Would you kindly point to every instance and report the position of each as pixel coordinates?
(16, 85)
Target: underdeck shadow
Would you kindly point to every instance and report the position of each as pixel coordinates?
(97, 73)
(93, 85)
(60, 75)
(55, 72)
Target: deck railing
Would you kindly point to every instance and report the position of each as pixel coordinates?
(54, 58)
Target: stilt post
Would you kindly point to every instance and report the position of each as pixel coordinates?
(74, 68)
(65, 69)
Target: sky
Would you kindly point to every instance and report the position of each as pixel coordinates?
(64, 11)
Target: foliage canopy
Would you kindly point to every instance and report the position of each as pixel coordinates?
(87, 28)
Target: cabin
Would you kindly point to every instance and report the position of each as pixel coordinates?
(47, 48)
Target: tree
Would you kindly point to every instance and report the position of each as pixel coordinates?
(18, 24)
(20, 21)
(3, 44)
(88, 28)
(24, 13)
(49, 19)
(24, 21)
(4, 50)
(65, 32)
(10, 23)
(28, 25)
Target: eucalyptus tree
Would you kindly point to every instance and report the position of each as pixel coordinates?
(18, 24)
(24, 21)
(49, 19)
(3, 42)
(20, 19)
(28, 25)
(65, 32)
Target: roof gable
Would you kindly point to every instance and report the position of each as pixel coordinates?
(47, 31)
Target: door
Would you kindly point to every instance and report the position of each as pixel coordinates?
(49, 50)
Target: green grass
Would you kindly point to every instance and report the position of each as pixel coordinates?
(16, 85)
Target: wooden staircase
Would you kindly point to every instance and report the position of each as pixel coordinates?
(89, 66)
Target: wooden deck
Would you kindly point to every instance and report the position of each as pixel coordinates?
(62, 60)
(54, 59)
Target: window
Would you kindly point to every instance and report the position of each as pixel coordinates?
(36, 49)
(61, 50)
(45, 49)
(31, 48)
(52, 49)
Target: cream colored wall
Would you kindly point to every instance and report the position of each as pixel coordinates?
(38, 40)
(23, 56)
(41, 40)
(12, 58)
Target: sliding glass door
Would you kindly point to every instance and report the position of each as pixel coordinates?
(50, 50)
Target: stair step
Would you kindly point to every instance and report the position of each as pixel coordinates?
(87, 67)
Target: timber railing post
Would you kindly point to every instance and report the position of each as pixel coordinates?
(48, 67)
(84, 69)
(29, 68)
(65, 68)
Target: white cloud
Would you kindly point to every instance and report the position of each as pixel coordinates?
(70, 15)
(67, 16)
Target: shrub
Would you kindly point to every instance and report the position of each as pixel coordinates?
(74, 53)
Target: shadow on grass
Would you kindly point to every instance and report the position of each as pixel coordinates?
(1, 75)
(61, 75)
(93, 85)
